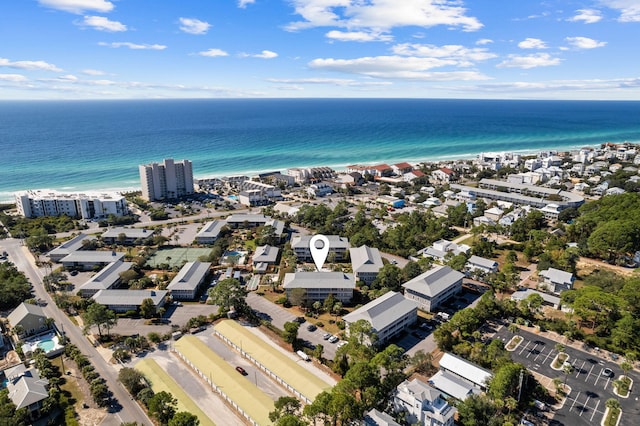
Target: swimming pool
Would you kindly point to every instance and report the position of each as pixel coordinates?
(46, 345)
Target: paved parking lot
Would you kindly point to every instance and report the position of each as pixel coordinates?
(590, 389)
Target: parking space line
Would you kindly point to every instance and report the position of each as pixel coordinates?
(585, 406)
(598, 377)
(539, 353)
(525, 347)
(589, 375)
(580, 369)
(532, 349)
(574, 401)
(595, 410)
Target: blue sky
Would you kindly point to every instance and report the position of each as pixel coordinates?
(114, 49)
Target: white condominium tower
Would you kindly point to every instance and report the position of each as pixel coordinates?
(167, 180)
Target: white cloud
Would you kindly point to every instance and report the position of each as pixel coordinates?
(585, 42)
(360, 36)
(101, 23)
(194, 26)
(14, 78)
(629, 9)
(396, 67)
(68, 77)
(529, 61)
(532, 43)
(460, 54)
(212, 53)
(484, 41)
(588, 16)
(342, 82)
(381, 15)
(134, 46)
(78, 6)
(243, 3)
(93, 72)
(29, 65)
(266, 54)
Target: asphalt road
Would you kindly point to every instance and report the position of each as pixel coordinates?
(124, 409)
(590, 389)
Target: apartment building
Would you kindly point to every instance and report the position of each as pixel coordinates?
(167, 180)
(87, 205)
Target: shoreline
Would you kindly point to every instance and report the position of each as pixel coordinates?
(6, 198)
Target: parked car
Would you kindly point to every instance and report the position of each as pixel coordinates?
(607, 372)
(312, 327)
(333, 339)
(241, 370)
(326, 336)
(299, 320)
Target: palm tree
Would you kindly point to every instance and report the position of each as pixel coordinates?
(568, 369)
(510, 403)
(513, 327)
(625, 366)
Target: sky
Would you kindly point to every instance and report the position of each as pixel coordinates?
(473, 49)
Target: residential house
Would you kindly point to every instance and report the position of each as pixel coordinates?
(443, 175)
(27, 389)
(319, 189)
(557, 280)
(263, 257)
(389, 315)
(319, 285)
(453, 386)
(30, 318)
(401, 168)
(549, 299)
(186, 284)
(481, 264)
(129, 300)
(338, 247)
(382, 170)
(430, 289)
(375, 417)
(412, 175)
(494, 213)
(423, 404)
(366, 262)
(108, 277)
(441, 248)
(68, 247)
(88, 259)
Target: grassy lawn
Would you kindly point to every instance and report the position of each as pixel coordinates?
(612, 417)
(515, 341)
(69, 384)
(623, 387)
(560, 359)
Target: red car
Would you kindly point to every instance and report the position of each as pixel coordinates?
(241, 370)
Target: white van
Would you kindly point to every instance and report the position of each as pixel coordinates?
(304, 356)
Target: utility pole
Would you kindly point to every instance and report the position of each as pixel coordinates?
(520, 384)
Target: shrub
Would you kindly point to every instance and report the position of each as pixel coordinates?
(281, 300)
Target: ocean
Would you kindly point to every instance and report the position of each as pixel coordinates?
(85, 145)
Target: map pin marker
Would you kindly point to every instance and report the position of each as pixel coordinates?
(319, 255)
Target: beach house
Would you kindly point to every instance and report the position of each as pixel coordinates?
(423, 404)
(317, 286)
(432, 288)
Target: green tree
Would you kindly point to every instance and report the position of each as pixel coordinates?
(184, 418)
(132, 380)
(100, 316)
(148, 308)
(411, 270)
(228, 294)
(505, 381)
(162, 406)
(285, 405)
(477, 410)
(290, 332)
(389, 276)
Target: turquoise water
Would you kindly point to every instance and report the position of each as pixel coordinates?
(83, 145)
(47, 345)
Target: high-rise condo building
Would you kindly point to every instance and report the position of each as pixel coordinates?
(167, 180)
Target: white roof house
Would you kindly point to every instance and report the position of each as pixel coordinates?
(266, 254)
(439, 249)
(452, 385)
(366, 262)
(557, 280)
(375, 417)
(87, 259)
(477, 263)
(423, 404)
(185, 285)
(108, 277)
(26, 388)
(210, 232)
(549, 299)
(389, 314)
(129, 300)
(433, 287)
(301, 246)
(319, 285)
(466, 370)
(112, 235)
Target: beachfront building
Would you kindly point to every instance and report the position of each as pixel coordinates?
(389, 315)
(254, 193)
(167, 180)
(27, 390)
(129, 300)
(556, 280)
(85, 205)
(29, 319)
(338, 247)
(430, 289)
(423, 404)
(126, 236)
(366, 262)
(443, 176)
(108, 277)
(186, 284)
(317, 286)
